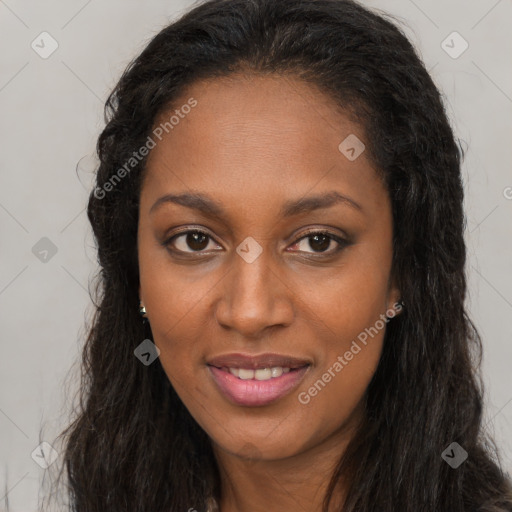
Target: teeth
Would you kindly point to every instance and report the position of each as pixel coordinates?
(263, 374)
(259, 374)
(245, 374)
(234, 371)
(277, 371)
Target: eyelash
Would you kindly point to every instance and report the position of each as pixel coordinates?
(341, 241)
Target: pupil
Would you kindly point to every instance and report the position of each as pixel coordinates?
(195, 240)
(323, 245)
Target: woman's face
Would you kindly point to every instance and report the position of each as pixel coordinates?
(255, 288)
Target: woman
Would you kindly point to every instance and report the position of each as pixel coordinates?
(281, 323)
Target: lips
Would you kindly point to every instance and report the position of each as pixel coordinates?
(267, 360)
(258, 380)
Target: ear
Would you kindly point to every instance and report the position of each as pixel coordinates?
(394, 298)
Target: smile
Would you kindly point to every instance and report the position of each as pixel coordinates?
(258, 374)
(256, 387)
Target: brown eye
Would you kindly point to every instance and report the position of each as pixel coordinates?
(189, 241)
(320, 242)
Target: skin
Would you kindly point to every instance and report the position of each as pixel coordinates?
(251, 144)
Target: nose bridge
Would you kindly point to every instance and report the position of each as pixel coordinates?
(249, 289)
(253, 296)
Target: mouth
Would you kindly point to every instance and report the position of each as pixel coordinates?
(257, 362)
(256, 380)
(259, 373)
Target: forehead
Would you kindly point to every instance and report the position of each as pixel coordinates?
(256, 138)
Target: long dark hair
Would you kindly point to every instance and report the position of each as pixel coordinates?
(133, 446)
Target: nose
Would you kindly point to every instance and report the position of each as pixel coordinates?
(254, 296)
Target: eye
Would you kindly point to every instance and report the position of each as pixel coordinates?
(320, 242)
(195, 240)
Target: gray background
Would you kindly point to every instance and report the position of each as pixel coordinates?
(51, 115)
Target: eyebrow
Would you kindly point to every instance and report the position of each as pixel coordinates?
(209, 207)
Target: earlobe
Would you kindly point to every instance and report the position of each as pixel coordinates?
(395, 309)
(142, 308)
(398, 306)
(395, 304)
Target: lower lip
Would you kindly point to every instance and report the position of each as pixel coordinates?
(253, 392)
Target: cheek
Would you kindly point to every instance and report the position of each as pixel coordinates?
(172, 294)
(352, 313)
(337, 388)
(172, 299)
(176, 329)
(350, 299)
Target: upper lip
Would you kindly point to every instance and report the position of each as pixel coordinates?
(267, 360)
